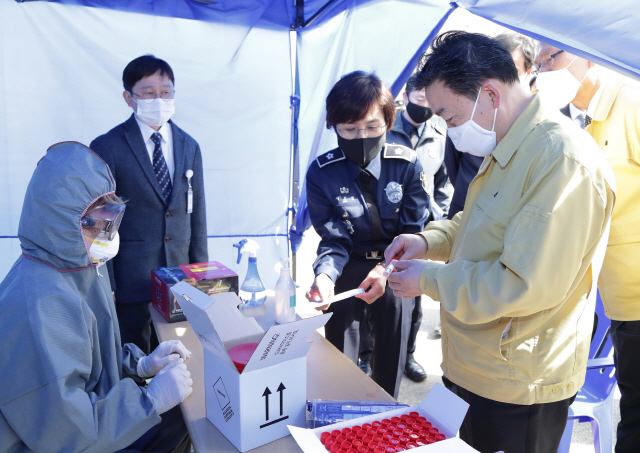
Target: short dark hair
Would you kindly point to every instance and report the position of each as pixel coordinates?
(142, 67)
(513, 41)
(464, 61)
(412, 85)
(354, 95)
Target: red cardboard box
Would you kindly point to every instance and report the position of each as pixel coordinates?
(210, 278)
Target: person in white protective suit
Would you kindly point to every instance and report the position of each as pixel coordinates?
(66, 384)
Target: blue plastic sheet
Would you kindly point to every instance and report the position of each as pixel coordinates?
(245, 12)
(607, 33)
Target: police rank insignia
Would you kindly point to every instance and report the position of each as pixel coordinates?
(425, 183)
(394, 192)
(344, 190)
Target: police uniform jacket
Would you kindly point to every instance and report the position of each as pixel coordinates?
(343, 217)
(430, 152)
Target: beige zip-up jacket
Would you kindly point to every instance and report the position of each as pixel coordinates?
(516, 322)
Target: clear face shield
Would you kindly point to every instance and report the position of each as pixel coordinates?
(104, 220)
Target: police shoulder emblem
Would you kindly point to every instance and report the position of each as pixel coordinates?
(398, 152)
(394, 192)
(425, 182)
(330, 157)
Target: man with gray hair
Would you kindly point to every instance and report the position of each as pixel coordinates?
(522, 50)
(607, 106)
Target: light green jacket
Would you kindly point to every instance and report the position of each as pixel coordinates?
(516, 322)
(616, 129)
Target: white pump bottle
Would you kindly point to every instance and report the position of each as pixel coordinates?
(285, 295)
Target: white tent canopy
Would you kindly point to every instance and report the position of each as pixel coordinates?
(237, 65)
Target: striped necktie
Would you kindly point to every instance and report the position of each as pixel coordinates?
(160, 167)
(585, 120)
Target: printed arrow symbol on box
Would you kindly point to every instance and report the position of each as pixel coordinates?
(280, 389)
(266, 394)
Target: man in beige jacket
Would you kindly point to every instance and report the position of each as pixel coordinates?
(516, 312)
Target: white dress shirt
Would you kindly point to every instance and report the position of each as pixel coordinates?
(166, 143)
(575, 111)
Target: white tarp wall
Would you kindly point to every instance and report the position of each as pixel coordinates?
(61, 79)
(61, 66)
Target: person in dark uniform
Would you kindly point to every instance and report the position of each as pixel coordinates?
(461, 168)
(360, 196)
(415, 127)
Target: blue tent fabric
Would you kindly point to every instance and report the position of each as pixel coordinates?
(244, 12)
(607, 33)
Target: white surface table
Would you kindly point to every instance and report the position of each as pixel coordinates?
(330, 375)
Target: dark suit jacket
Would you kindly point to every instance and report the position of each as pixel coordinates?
(461, 168)
(152, 233)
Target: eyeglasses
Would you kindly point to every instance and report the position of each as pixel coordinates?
(546, 60)
(149, 97)
(369, 131)
(104, 220)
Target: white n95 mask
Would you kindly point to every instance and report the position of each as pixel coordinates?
(156, 113)
(558, 88)
(470, 138)
(102, 250)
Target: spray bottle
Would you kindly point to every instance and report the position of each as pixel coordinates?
(252, 291)
(285, 295)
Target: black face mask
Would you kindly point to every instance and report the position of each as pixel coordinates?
(361, 151)
(418, 113)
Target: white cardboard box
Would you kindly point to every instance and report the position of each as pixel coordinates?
(442, 408)
(254, 407)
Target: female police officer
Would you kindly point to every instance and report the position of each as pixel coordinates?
(360, 196)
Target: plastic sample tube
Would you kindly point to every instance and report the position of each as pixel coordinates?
(344, 295)
(390, 268)
(326, 412)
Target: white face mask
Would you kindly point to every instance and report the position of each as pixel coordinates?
(558, 88)
(156, 113)
(470, 138)
(102, 250)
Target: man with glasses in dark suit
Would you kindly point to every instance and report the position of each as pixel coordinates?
(158, 171)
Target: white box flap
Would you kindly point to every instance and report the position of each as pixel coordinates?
(231, 325)
(307, 440)
(284, 342)
(194, 305)
(439, 397)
